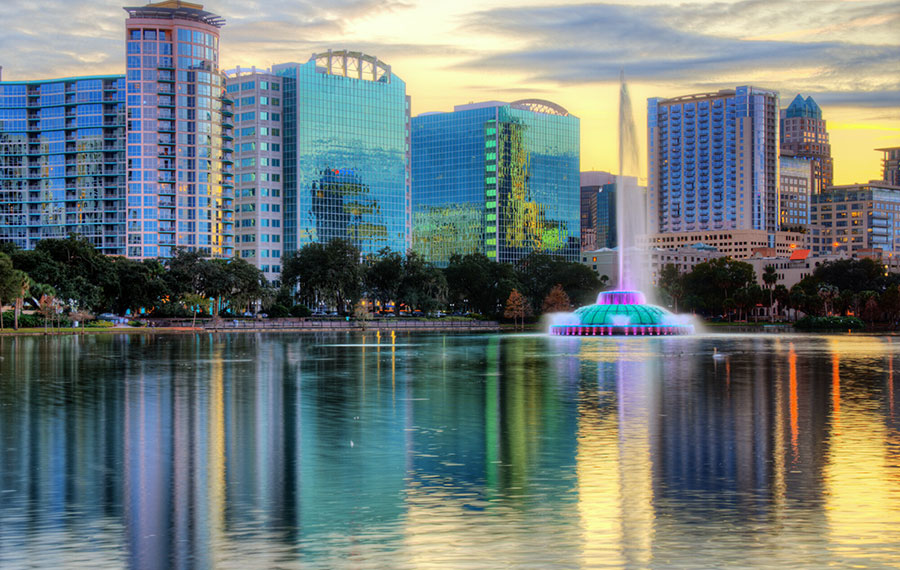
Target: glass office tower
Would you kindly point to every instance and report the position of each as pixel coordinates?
(804, 134)
(713, 161)
(180, 179)
(62, 161)
(345, 152)
(496, 178)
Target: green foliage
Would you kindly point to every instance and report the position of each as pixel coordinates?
(475, 283)
(135, 324)
(27, 321)
(278, 312)
(299, 311)
(98, 324)
(330, 272)
(716, 281)
(538, 273)
(831, 323)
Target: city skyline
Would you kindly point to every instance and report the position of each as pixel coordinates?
(568, 53)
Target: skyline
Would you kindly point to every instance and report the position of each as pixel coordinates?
(843, 54)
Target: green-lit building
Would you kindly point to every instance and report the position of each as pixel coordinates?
(496, 178)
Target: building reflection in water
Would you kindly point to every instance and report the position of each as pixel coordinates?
(390, 450)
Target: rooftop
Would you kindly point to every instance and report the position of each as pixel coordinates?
(175, 10)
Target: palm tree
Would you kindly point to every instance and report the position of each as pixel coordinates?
(770, 278)
(24, 286)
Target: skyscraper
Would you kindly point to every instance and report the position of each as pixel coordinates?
(345, 152)
(259, 176)
(180, 182)
(803, 133)
(713, 161)
(496, 178)
(62, 161)
(592, 183)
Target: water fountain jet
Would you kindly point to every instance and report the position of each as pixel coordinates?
(625, 311)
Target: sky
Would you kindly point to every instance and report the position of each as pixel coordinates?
(845, 53)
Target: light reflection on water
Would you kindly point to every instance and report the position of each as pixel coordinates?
(378, 450)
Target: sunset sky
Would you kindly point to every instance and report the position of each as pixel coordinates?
(845, 53)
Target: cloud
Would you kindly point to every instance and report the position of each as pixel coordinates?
(702, 43)
(88, 36)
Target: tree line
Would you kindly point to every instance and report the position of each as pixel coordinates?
(70, 278)
(727, 288)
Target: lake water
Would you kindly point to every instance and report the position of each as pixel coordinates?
(449, 451)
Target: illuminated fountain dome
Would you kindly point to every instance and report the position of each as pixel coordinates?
(621, 313)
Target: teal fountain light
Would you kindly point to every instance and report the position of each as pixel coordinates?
(619, 313)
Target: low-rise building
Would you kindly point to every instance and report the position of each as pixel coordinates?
(739, 244)
(856, 218)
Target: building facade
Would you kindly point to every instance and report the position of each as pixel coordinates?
(496, 178)
(855, 219)
(713, 161)
(739, 244)
(259, 175)
(803, 133)
(598, 210)
(62, 161)
(797, 177)
(180, 179)
(346, 152)
(890, 165)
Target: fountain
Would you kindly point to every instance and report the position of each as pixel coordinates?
(625, 311)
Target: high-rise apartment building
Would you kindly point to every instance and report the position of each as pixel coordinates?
(62, 161)
(856, 217)
(890, 165)
(496, 178)
(346, 152)
(803, 133)
(713, 161)
(180, 182)
(259, 176)
(797, 175)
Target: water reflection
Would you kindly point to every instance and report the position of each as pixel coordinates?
(385, 450)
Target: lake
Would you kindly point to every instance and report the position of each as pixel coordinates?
(357, 450)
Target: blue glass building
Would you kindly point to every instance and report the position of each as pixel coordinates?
(713, 161)
(345, 152)
(496, 178)
(62, 161)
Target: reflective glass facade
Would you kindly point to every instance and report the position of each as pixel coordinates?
(180, 178)
(498, 179)
(62, 161)
(713, 161)
(346, 152)
(803, 133)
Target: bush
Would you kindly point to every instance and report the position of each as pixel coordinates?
(135, 323)
(98, 324)
(300, 311)
(278, 312)
(811, 323)
(26, 321)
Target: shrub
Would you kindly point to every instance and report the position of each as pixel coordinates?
(300, 311)
(811, 323)
(135, 323)
(99, 324)
(278, 312)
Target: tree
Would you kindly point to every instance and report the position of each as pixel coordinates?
(24, 284)
(329, 272)
(195, 302)
(556, 301)
(517, 308)
(422, 286)
(770, 278)
(8, 285)
(476, 283)
(383, 277)
(782, 297)
(671, 283)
